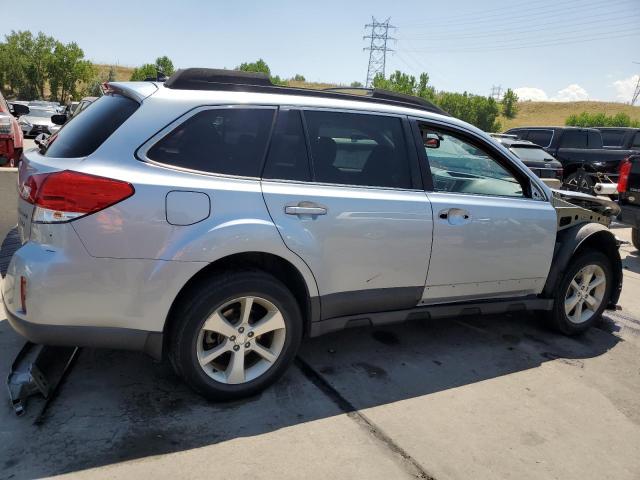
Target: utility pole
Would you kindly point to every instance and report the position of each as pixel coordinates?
(496, 92)
(379, 36)
(636, 92)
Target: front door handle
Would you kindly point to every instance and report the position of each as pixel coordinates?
(455, 216)
(305, 208)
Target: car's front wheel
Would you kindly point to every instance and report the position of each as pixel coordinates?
(583, 293)
(235, 335)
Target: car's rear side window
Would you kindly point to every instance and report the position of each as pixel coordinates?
(229, 141)
(636, 141)
(612, 138)
(540, 137)
(287, 158)
(81, 136)
(358, 149)
(574, 139)
(595, 140)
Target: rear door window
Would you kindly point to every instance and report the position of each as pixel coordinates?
(595, 140)
(81, 136)
(612, 138)
(636, 141)
(540, 137)
(228, 141)
(287, 158)
(358, 149)
(573, 139)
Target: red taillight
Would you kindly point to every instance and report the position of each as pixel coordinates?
(63, 196)
(625, 170)
(23, 294)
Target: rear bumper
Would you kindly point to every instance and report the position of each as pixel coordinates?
(81, 336)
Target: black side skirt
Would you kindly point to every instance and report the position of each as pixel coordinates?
(431, 312)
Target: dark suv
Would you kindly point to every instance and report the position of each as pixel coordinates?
(577, 147)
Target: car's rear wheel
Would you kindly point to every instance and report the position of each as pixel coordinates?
(236, 335)
(583, 293)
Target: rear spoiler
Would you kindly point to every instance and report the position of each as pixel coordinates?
(137, 91)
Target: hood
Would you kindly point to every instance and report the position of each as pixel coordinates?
(46, 121)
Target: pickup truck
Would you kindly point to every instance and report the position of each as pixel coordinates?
(577, 147)
(620, 138)
(629, 196)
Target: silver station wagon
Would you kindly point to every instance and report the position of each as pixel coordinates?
(216, 220)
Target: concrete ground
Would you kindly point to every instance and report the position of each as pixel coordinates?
(469, 398)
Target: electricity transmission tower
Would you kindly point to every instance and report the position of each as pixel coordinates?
(636, 92)
(379, 36)
(496, 92)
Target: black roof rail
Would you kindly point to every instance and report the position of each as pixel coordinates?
(232, 80)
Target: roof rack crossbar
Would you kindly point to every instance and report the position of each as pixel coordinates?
(231, 80)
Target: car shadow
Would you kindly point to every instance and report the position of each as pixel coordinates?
(117, 406)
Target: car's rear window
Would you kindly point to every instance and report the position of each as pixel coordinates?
(531, 154)
(83, 134)
(229, 141)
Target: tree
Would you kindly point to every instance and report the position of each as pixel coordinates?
(299, 78)
(356, 85)
(165, 65)
(111, 77)
(601, 119)
(148, 70)
(67, 70)
(259, 66)
(510, 104)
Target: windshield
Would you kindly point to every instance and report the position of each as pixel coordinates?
(536, 154)
(40, 112)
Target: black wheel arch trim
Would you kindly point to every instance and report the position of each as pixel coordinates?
(571, 241)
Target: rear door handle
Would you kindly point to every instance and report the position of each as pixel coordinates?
(305, 210)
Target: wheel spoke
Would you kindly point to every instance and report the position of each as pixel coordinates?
(578, 312)
(209, 356)
(575, 285)
(217, 323)
(272, 321)
(592, 302)
(245, 309)
(570, 302)
(599, 280)
(235, 369)
(587, 274)
(264, 352)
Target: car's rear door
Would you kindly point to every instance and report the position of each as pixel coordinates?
(357, 213)
(490, 237)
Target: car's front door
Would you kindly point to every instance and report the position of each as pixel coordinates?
(356, 214)
(490, 238)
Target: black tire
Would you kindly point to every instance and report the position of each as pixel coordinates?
(557, 317)
(635, 237)
(202, 301)
(586, 185)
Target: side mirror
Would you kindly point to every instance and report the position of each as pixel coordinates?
(432, 142)
(18, 109)
(59, 118)
(41, 140)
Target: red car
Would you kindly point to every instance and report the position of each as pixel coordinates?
(10, 133)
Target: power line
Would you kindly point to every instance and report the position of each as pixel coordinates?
(577, 6)
(532, 28)
(558, 41)
(496, 92)
(379, 36)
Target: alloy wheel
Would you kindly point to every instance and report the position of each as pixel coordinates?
(585, 293)
(241, 340)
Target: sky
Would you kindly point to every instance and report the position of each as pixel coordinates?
(543, 49)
